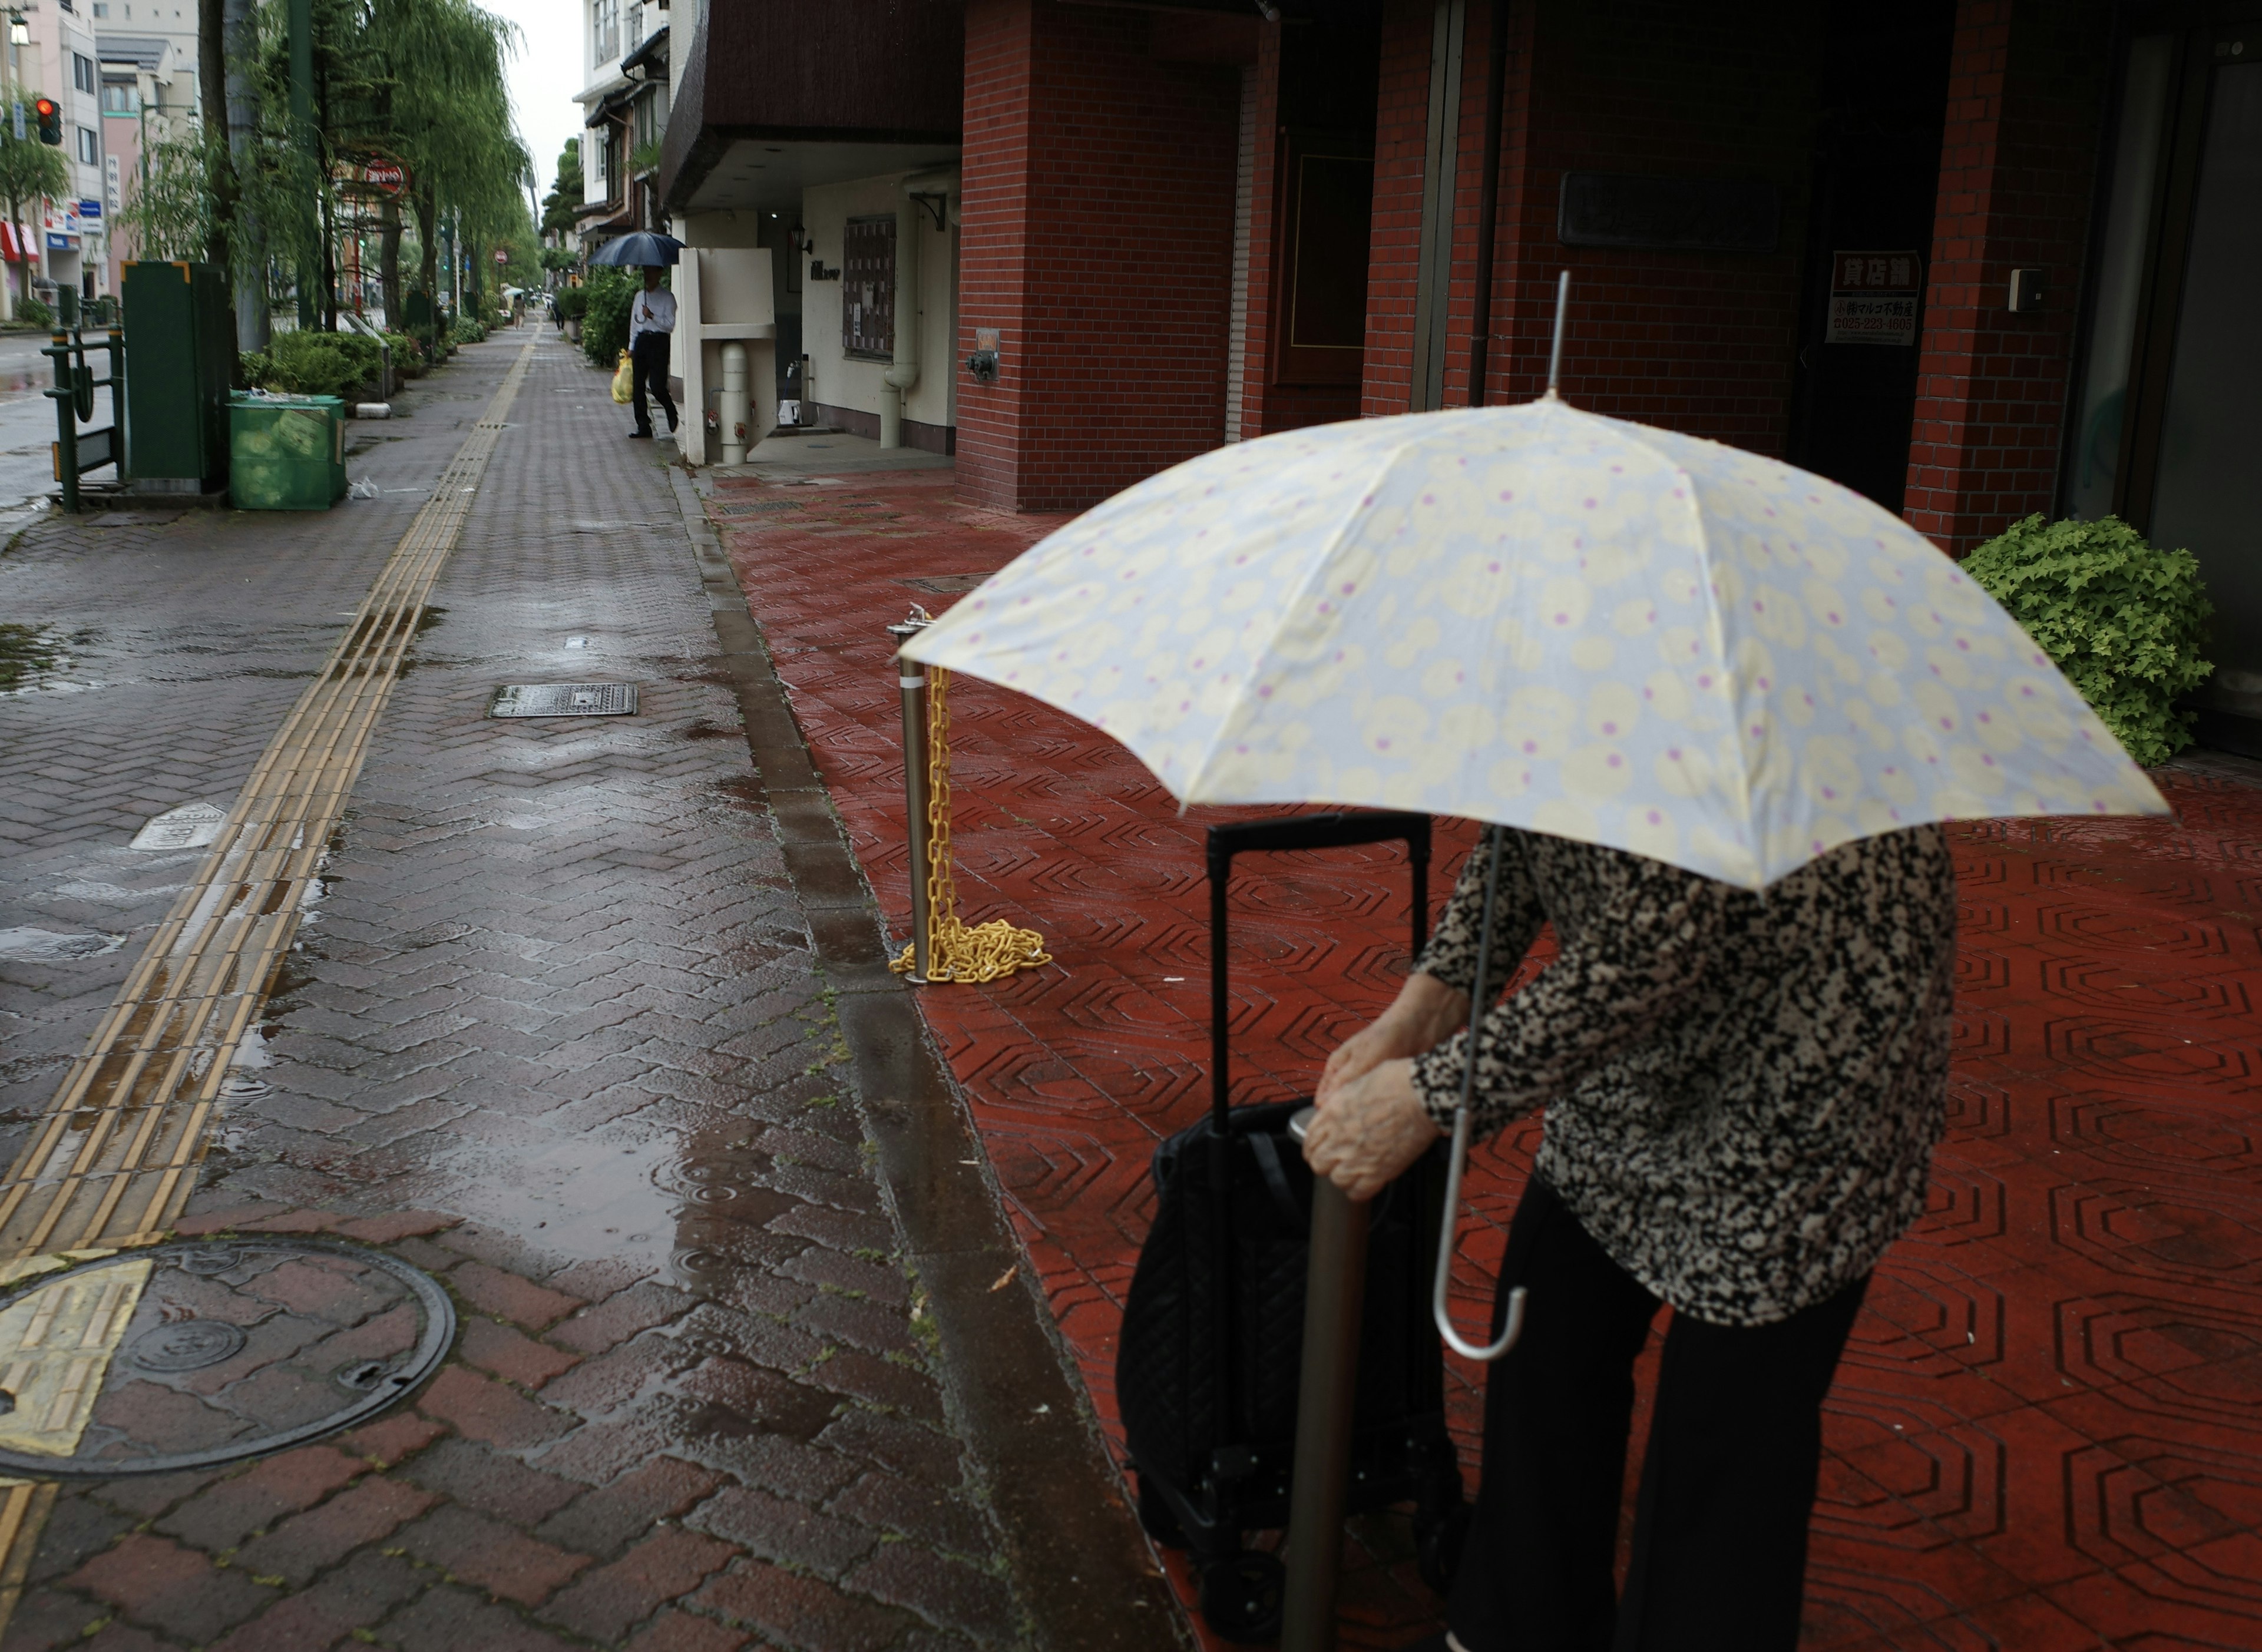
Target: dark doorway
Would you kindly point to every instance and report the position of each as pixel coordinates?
(1876, 175)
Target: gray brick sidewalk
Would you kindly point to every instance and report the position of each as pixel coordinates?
(556, 1032)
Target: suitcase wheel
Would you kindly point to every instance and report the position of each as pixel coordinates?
(1240, 1596)
(1156, 1518)
(1439, 1544)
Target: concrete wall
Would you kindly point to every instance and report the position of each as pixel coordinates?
(853, 386)
(723, 283)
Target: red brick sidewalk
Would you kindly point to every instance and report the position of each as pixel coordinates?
(2048, 1430)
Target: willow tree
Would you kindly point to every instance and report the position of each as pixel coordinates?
(445, 115)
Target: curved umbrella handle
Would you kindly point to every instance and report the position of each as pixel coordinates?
(1449, 1226)
(1448, 1233)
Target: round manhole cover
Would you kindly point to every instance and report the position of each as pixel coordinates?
(186, 1356)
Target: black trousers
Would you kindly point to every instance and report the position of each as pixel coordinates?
(1727, 1482)
(648, 364)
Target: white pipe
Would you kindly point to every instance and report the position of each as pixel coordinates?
(902, 375)
(733, 409)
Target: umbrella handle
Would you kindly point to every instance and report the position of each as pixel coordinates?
(1448, 1234)
(1449, 1227)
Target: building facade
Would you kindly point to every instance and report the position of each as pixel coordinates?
(1977, 259)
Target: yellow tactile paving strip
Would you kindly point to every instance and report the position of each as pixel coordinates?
(113, 1159)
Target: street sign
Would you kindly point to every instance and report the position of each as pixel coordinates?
(502, 255)
(20, 133)
(386, 177)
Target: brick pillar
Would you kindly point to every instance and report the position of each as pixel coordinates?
(1394, 257)
(2026, 96)
(1097, 239)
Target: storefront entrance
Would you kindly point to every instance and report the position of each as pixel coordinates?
(2169, 415)
(1884, 95)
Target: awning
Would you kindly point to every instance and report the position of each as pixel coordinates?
(652, 55)
(612, 105)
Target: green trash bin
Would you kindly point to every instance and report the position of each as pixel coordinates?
(285, 453)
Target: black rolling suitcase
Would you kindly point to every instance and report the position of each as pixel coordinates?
(1207, 1367)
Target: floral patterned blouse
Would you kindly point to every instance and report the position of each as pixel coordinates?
(1742, 1091)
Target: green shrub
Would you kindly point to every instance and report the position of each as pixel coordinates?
(310, 363)
(605, 328)
(32, 312)
(466, 330)
(407, 356)
(573, 303)
(2125, 621)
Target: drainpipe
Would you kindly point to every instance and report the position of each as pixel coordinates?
(902, 375)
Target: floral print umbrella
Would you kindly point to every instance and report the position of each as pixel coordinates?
(1540, 617)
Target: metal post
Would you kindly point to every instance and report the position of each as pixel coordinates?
(117, 345)
(911, 677)
(65, 395)
(1335, 1300)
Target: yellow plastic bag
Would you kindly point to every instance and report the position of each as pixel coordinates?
(623, 380)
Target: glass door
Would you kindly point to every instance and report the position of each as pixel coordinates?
(2166, 426)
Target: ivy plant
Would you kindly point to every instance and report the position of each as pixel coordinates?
(2125, 620)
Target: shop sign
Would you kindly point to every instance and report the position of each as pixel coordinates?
(89, 208)
(1873, 298)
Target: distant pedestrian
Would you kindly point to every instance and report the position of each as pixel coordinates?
(651, 320)
(1742, 1092)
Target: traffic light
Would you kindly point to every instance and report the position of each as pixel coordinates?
(51, 120)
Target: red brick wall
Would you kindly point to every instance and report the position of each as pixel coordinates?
(1401, 135)
(1695, 341)
(1097, 235)
(2024, 101)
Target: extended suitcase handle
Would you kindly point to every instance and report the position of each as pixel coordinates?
(1449, 1228)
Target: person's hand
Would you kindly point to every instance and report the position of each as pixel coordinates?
(1424, 1015)
(1369, 1129)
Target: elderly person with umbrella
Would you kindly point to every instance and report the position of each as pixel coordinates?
(651, 322)
(1715, 708)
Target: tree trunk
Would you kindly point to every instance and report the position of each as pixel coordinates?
(428, 214)
(212, 97)
(240, 34)
(388, 260)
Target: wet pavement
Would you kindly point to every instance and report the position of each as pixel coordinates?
(585, 1020)
(2047, 1433)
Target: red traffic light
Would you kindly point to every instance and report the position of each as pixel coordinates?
(51, 120)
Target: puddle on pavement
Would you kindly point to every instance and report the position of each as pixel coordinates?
(45, 946)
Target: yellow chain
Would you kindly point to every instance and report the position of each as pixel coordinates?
(957, 951)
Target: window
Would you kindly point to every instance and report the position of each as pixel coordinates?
(118, 98)
(867, 288)
(89, 146)
(102, 10)
(83, 72)
(605, 28)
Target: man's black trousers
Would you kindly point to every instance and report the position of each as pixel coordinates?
(1727, 1482)
(648, 359)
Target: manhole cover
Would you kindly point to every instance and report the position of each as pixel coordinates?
(187, 1356)
(944, 583)
(190, 826)
(756, 507)
(565, 699)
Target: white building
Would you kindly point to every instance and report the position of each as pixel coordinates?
(625, 102)
(62, 60)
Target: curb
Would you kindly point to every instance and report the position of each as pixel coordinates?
(1081, 1567)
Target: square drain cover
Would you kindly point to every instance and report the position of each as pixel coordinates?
(565, 699)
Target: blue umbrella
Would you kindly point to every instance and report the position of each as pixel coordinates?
(639, 247)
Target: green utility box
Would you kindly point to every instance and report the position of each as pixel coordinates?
(286, 453)
(180, 350)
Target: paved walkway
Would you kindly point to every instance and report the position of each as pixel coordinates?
(2047, 1431)
(576, 1021)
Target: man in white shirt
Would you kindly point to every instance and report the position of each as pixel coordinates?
(652, 318)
